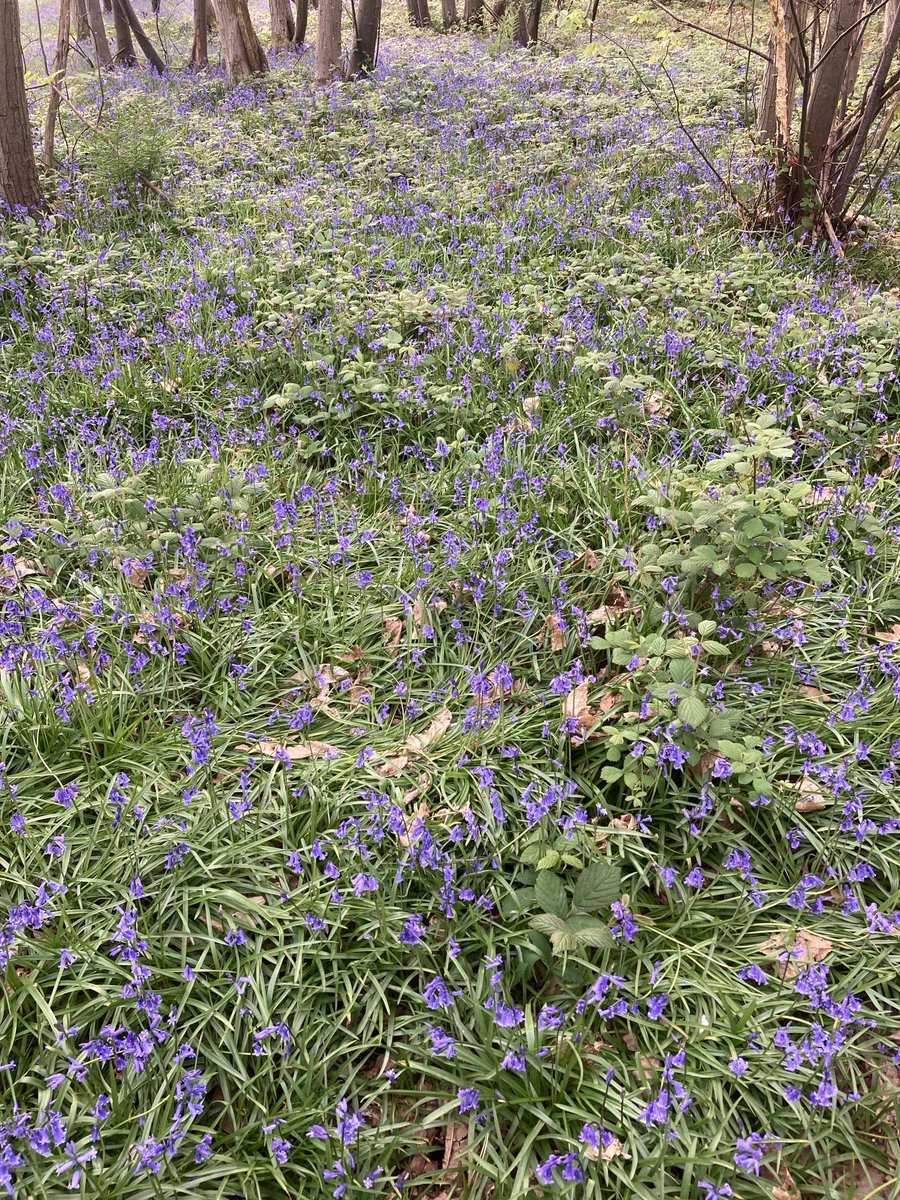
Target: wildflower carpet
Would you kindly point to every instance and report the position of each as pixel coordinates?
(450, 623)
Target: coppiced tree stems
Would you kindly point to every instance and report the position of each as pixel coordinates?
(125, 55)
(98, 33)
(20, 186)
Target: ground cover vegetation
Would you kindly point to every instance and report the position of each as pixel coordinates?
(449, 648)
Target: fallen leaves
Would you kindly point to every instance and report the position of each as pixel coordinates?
(555, 626)
(613, 606)
(295, 753)
(811, 796)
(14, 572)
(576, 706)
(888, 637)
(417, 742)
(806, 949)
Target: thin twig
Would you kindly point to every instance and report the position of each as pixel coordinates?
(711, 32)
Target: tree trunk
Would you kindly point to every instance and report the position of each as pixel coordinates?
(449, 15)
(82, 28)
(98, 33)
(281, 22)
(58, 80)
(124, 45)
(534, 20)
(520, 23)
(200, 49)
(300, 21)
(107, 6)
(473, 14)
(241, 50)
(365, 45)
(142, 40)
(828, 87)
(424, 14)
(19, 183)
(328, 42)
(412, 11)
(794, 17)
(891, 12)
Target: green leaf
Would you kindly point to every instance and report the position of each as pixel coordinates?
(692, 711)
(598, 885)
(705, 628)
(591, 932)
(715, 648)
(564, 942)
(549, 861)
(548, 924)
(611, 774)
(550, 893)
(745, 570)
(681, 670)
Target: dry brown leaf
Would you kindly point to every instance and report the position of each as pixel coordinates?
(531, 405)
(615, 1149)
(812, 798)
(392, 767)
(294, 753)
(576, 705)
(789, 1190)
(418, 616)
(813, 693)
(554, 625)
(806, 949)
(393, 631)
(654, 405)
(455, 1139)
(887, 636)
(588, 559)
(417, 742)
(21, 568)
(422, 786)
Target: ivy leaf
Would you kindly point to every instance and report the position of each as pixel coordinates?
(550, 893)
(598, 885)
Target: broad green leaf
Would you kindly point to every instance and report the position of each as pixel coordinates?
(550, 894)
(598, 885)
(692, 711)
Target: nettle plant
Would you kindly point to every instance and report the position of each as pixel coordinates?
(732, 521)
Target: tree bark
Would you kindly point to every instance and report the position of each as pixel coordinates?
(891, 12)
(424, 14)
(98, 33)
(241, 49)
(364, 54)
(473, 14)
(328, 42)
(124, 45)
(412, 11)
(281, 22)
(794, 16)
(449, 14)
(300, 21)
(142, 40)
(520, 23)
(200, 49)
(19, 183)
(828, 87)
(58, 78)
(82, 28)
(534, 20)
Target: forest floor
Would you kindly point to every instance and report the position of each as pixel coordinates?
(449, 649)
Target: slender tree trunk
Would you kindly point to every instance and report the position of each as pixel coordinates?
(473, 14)
(520, 23)
(82, 28)
(412, 11)
(98, 33)
(449, 15)
(891, 12)
(143, 41)
(365, 45)
(328, 42)
(281, 22)
(200, 49)
(107, 6)
(794, 17)
(871, 109)
(424, 14)
(58, 82)
(826, 93)
(19, 183)
(124, 45)
(241, 49)
(534, 20)
(300, 22)
(154, 6)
